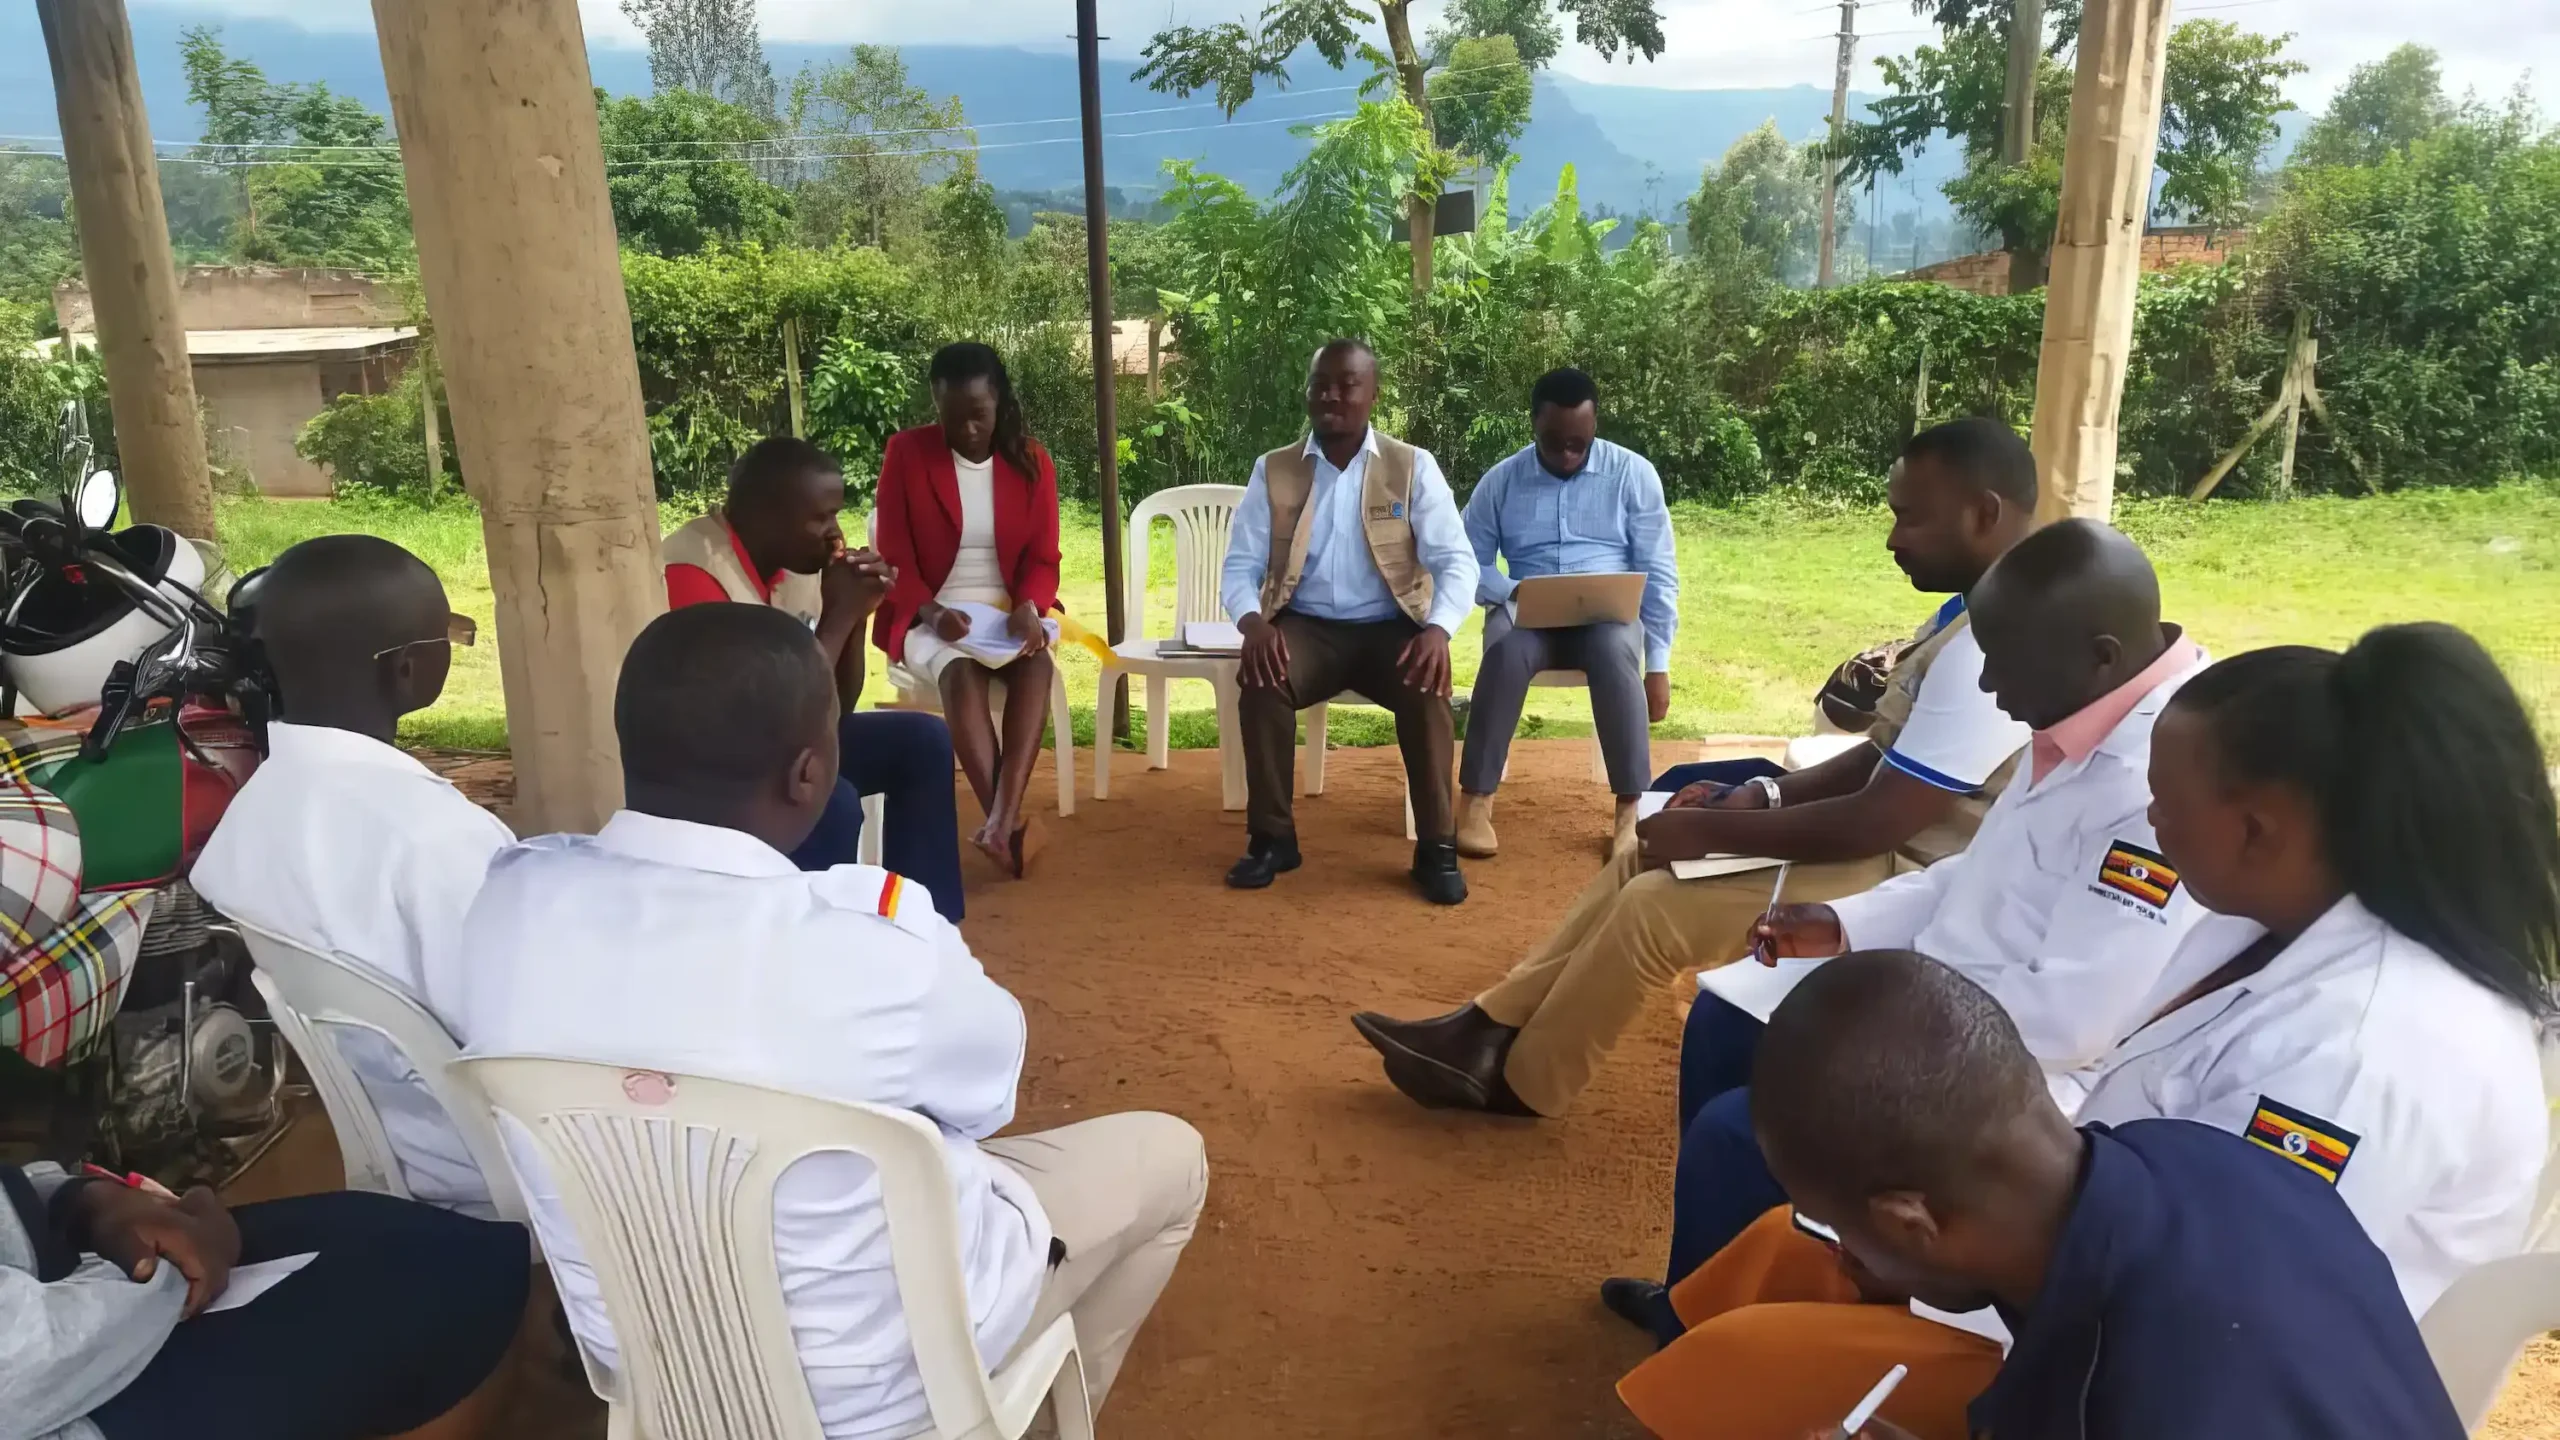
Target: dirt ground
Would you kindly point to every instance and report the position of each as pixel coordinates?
(1365, 1268)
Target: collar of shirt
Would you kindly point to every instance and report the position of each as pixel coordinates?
(1314, 448)
(328, 745)
(689, 846)
(764, 583)
(2079, 737)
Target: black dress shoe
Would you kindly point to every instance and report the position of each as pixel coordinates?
(1435, 872)
(1448, 1062)
(1264, 860)
(1645, 1304)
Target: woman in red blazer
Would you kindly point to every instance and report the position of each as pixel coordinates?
(968, 513)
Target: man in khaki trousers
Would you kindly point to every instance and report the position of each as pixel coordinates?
(1962, 493)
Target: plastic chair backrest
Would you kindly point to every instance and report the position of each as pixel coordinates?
(311, 994)
(1201, 516)
(683, 1251)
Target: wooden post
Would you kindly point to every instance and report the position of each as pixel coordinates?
(791, 376)
(124, 251)
(1155, 358)
(2097, 252)
(497, 121)
(2018, 114)
(432, 423)
(1848, 60)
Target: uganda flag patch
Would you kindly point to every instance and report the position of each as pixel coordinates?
(2143, 874)
(2307, 1140)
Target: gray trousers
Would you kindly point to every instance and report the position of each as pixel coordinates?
(1612, 655)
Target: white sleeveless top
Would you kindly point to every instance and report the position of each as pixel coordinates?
(975, 575)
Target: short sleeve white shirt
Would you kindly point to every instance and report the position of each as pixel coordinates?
(1958, 735)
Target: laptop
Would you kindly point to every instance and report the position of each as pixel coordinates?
(1554, 602)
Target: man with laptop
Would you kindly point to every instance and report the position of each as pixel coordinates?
(1591, 585)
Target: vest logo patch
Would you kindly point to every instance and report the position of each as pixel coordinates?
(2319, 1146)
(2146, 875)
(1387, 512)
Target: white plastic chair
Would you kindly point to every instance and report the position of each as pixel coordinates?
(1201, 516)
(2482, 1322)
(915, 694)
(671, 1198)
(1311, 760)
(309, 994)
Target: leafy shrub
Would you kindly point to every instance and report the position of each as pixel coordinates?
(377, 443)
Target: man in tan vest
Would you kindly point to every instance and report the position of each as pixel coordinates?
(1961, 494)
(1348, 569)
(775, 541)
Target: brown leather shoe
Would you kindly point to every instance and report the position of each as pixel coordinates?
(1448, 1062)
(1476, 839)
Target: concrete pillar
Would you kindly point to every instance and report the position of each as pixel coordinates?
(497, 124)
(2097, 251)
(124, 249)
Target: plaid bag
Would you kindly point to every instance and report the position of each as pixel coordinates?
(63, 960)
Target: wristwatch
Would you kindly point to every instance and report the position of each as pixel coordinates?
(1768, 789)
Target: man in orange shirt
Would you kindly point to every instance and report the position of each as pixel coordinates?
(775, 541)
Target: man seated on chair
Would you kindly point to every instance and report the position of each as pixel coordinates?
(1569, 504)
(682, 938)
(344, 845)
(776, 542)
(2159, 1278)
(1961, 494)
(1348, 569)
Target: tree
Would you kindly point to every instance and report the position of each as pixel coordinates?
(2384, 107)
(707, 46)
(2223, 90)
(1232, 57)
(37, 246)
(1529, 23)
(879, 141)
(1481, 101)
(694, 185)
(319, 178)
(1757, 212)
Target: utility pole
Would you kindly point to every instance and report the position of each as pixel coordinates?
(1106, 364)
(2018, 115)
(1839, 123)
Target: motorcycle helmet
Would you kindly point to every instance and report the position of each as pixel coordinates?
(68, 629)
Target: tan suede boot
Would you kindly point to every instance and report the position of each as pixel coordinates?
(1475, 827)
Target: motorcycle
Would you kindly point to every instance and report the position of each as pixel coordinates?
(135, 709)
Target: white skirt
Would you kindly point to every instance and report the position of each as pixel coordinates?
(928, 654)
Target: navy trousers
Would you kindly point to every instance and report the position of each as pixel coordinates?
(903, 756)
(1722, 772)
(1720, 1184)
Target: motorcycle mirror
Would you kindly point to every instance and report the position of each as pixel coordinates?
(99, 500)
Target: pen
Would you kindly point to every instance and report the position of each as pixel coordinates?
(1868, 1407)
(1760, 951)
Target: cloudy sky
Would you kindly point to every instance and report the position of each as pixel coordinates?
(2489, 45)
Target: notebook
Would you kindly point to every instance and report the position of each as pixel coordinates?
(1651, 802)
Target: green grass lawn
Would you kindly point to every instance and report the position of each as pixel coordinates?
(1773, 595)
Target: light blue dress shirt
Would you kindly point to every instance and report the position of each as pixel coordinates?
(1340, 580)
(1608, 519)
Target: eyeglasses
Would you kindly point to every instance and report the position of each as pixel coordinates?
(458, 630)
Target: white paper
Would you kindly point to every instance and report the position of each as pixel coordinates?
(1212, 635)
(1752, 987)
(248, 1282)
(1651, 803)
(1984, 1322)
(990, 640)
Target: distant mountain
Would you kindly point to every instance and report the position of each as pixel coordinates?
(1635, 149)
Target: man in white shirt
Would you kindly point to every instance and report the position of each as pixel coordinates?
(682, 939)
(1347, 569)
(343, 844)
(1962, 493)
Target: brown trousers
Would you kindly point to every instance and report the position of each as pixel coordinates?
(1326, 658)
(1631, 932)
(1779, 1347)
